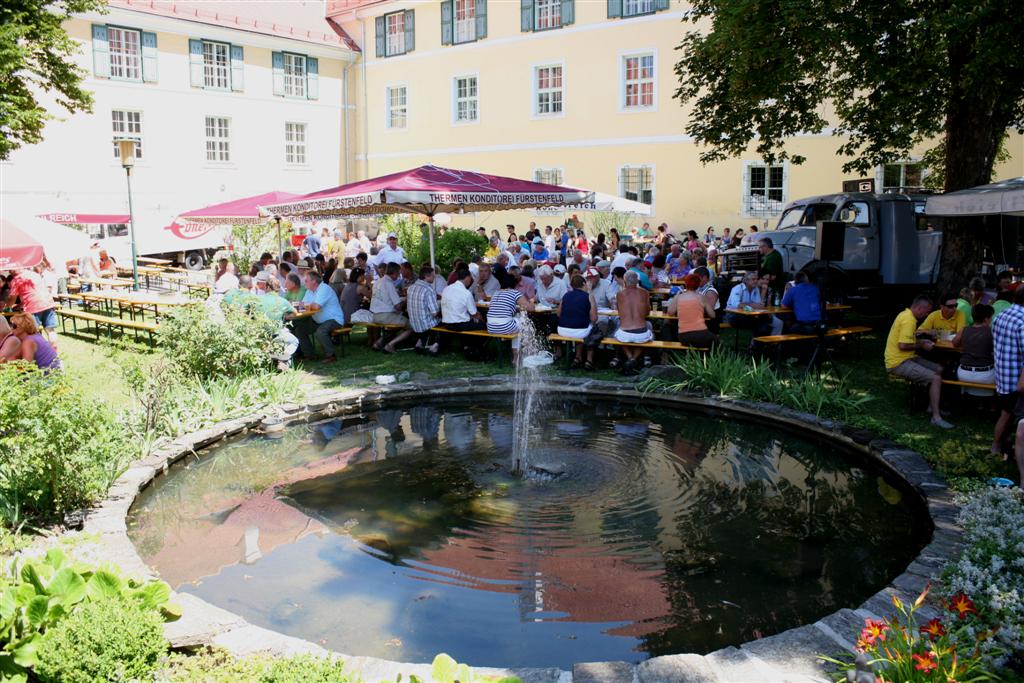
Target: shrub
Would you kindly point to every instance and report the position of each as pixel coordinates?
(204, 347)
(957, 458)
(411, 237)
(455, 243)
(720, 373)
(991, 566)
(218, 666)
(59, 449)
(105, 640)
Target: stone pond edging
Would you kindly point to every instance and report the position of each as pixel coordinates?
(787, 656)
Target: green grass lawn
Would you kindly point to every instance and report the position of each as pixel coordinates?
(957, 452)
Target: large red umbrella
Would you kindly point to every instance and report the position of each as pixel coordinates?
(239, 211)
(429, 190)
(17, 249)
(24, 245)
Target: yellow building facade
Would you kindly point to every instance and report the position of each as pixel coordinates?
(572, 91)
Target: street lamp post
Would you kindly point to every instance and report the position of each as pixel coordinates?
(127, 150)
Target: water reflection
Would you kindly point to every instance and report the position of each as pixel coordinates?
(402, 533)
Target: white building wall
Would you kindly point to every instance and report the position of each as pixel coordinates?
(74, 170)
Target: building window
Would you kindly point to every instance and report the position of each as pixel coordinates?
(397, 106)
(466, 100)
(465, 21)
(127, 125)
(550, 94)
(218, 138)
(216, 65)
(548, 14)
(125, 54)
(765, 190)
(395, 33)
(548, 176)
(295, 143)
(294, 75)
(632, 8)
(905, 175)
(638, 81)
(637, 183)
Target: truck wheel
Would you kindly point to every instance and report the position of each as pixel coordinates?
(836, 283)
(194, 260)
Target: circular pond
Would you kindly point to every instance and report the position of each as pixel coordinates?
(638, 531)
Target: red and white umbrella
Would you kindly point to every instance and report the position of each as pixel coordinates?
(238, 211)
(429, 190)
(24, 244)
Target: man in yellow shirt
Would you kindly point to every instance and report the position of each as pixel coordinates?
(948, 320)
(901, 359)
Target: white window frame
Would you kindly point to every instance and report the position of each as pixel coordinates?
(210, 68)
(623, 56)
(654, 182)
(772, 207)
(537, 92)
(295, 84)
(222, 144)
(455, 100)
(122, 60)
(299, 149)
(642, 7)
(880, 174)
(539, 170)
(127, 133)
(554, 13)
(467, 25)
(388, 106)
(394, 43)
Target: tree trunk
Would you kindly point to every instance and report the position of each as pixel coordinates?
(974, 130)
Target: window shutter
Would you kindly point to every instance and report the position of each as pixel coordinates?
(568, 12)
(614, 8)
(526, 15)
(277, 66)
(447, 22)
(382, 36)
(312, 78)
(149, 59)
(237, 68)
(195, 62)
(100, 51)
(481, 19)
(660, 5)
(410, 30)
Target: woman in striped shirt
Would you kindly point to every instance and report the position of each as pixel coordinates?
(506, 304)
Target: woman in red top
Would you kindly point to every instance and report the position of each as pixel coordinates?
(582, 245)
(691, 308)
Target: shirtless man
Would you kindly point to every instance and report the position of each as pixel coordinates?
(634, 304)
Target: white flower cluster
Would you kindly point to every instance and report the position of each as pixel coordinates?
(990, 569)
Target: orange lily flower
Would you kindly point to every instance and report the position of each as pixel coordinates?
(962, 605)
(926, 662)
(933, 629)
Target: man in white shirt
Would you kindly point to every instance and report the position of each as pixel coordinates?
(515, 250)
(601, 289)
(550, 289)
(549, 239)
(459, 312)
(622, 258)
(391, 252)
(486, 284)
(386, 306)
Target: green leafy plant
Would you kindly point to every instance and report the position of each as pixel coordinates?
(219, 666)
(249, 241)
(59, 449)
(203, 347)
(103, 640)
(899, 650)
(411, 237)
(456, 243)
(37, 595)
(957, 458)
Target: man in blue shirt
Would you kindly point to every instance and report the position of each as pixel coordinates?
(804, 298)
(539, 254)
(636, 267)
(312, 245)
(327, 315)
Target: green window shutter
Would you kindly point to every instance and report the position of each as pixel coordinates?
(382, 36)
(660, 5)
(526, 15)
(149, 57)
(410, 30)
(195, 62)
(568, 12)
(277, 66)
(100, 52)
(312, 78)
(614, 8)
(447, 22)
(481, 19)
(237, 68)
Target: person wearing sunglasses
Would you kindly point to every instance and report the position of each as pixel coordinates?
(945, 323)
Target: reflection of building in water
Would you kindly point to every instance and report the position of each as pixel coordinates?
(499, 428)
(460, 431)
(425, 422)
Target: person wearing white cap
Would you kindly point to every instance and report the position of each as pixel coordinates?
(604, 299)
(390, 252)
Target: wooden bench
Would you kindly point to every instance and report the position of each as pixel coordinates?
(655, 344)
(778, 340)
(969, 385)
(99, 321)
(501, 339)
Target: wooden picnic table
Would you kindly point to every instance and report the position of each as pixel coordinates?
(773, 310)
(111, 282)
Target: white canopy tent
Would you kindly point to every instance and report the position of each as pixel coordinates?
(1003, 198)
(600, 202)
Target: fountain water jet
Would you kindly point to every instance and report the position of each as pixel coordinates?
(532, 359)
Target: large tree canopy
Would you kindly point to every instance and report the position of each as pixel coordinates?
(34, 58)
(885, 75)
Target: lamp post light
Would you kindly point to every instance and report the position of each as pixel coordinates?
(126, 148)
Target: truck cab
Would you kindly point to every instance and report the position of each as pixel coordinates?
(888, 242)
